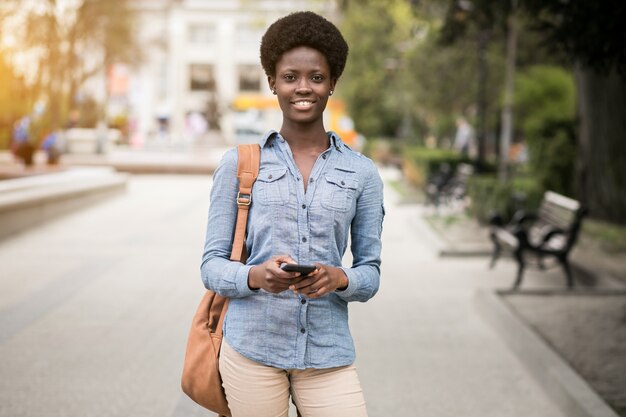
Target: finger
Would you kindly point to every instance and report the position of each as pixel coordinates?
(284, 259)
(291, 275)
(320, 292)
(312, 291)
(314, 273)
(277, 271)
(287, 275)
(303, 284)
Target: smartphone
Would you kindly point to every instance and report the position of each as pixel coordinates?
(303, 269)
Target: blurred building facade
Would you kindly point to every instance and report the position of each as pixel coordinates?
(199, 57)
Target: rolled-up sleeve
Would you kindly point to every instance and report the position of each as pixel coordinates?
(366, 244)
(219, 273)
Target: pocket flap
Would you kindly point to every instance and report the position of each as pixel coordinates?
(343, 182)
(271, 175)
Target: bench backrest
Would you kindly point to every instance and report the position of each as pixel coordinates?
(561, 212)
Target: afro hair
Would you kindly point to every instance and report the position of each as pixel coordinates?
(304, 29)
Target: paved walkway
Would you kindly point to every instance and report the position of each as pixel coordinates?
(95, 308)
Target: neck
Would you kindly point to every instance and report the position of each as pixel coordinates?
(305, 137)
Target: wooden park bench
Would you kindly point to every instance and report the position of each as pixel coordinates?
(550, 232)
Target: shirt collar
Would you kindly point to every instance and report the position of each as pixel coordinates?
(335, 140)
(268, 138)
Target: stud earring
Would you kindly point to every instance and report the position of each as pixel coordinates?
(274, 91)
(331, 93)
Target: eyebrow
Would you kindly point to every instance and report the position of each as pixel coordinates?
(291, 69)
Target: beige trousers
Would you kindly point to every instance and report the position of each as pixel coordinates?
(256, 390)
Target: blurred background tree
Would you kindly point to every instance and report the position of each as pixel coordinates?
(373, 76)
(445, 81)
(416, 65)
(400, 83)
(16, 99)
(592, 36)
(69, 43)
(545, 109)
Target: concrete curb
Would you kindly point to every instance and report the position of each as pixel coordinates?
(133, 167)
(564, 385)
(28, 202)
(465, 251)
(191, 161)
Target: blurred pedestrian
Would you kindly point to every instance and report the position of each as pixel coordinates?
(463, 140)
(21, 146)
(52, 145)
(196, 125)
(285, 333)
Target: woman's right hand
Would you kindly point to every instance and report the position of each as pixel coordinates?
(270, 277)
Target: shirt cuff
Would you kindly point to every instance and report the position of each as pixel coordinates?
(241, 281)
(352, 283)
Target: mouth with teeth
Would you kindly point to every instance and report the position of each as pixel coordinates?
(303, 104)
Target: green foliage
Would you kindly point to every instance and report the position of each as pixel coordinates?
(461, 17)
(590, 32)
(419, 163)
(372, 81)
(545, 106)
(383, 151)
(400, 82)
(15, 100)
(489, 195)
(611, 237)
(445, 81)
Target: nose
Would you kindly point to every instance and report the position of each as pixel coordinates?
(303, 86)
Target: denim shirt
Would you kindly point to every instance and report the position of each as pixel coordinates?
(344, 199)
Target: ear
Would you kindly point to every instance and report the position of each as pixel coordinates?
(271, 82)
(333, 83)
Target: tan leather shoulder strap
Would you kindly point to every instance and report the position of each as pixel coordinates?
(247, 169)
(249, 159)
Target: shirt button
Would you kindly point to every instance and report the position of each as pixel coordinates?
(304, 239)
(269, 177)
(311, 180)
(302, 330)
(304, 206)
(303, 301)
(324, 156)
(337, 147)
(343, 183)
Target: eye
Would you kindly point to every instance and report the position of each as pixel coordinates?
(289, 77)
(318, 78)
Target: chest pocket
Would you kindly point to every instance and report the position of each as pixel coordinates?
(339, 192)
(272, 186)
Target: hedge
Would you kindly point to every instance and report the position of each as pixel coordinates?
(488, 195)
(419, 163)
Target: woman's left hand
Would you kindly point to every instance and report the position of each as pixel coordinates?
(325, 279)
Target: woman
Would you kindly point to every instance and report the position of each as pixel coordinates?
(287, 334)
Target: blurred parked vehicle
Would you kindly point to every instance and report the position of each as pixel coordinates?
(256, 114)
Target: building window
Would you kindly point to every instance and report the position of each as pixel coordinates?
(249, 78)
(249, 33)
(202, 33)
(201, 77)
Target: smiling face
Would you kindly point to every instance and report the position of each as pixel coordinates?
(303, 84)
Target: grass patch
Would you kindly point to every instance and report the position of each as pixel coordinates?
(407, 193)
(610, 237)
(397, 186)
(446, 220)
